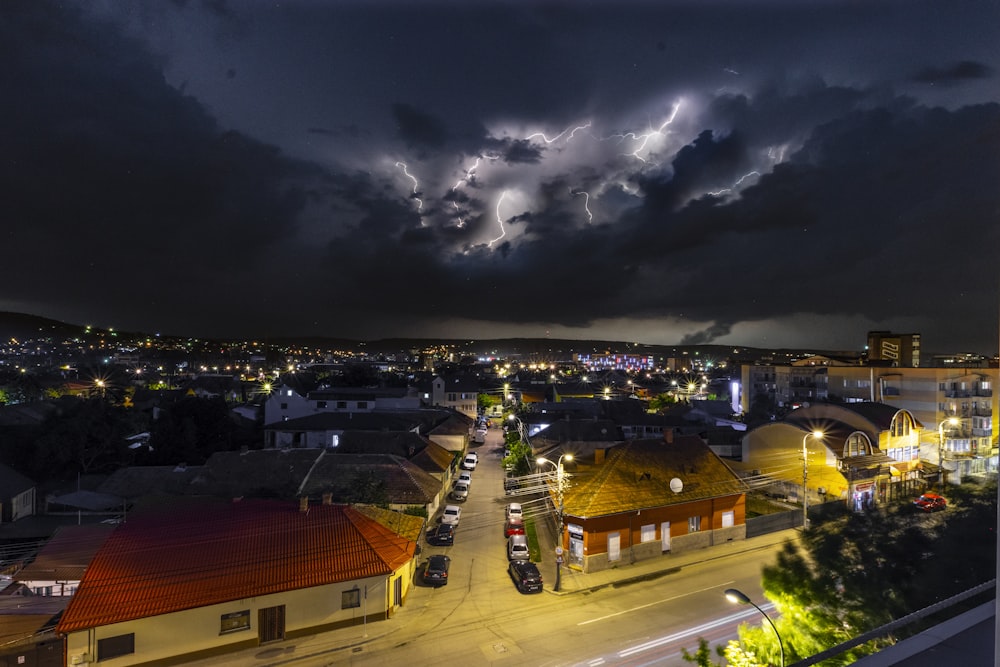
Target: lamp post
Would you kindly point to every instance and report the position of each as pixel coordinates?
(950, 421)
(805, 476)
(738, 597)
(559, 497)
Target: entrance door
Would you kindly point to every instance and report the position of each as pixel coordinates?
(665, 535)
(397, 591)
(271, 624)
(614, 546)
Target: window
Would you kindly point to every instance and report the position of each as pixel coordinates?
(341, 405)
(728, 519)
(694, 524)
(362, 405)
(284, 406)
(113, 647)
(648, 533)
(321, 404)
(235, 622)
(350, 599)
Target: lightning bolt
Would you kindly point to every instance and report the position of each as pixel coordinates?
(586, 203)
(420, 202)
(643, 139)
(569, 131)
(735, 185)
(503, 232)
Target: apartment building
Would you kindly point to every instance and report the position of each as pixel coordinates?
(956, 405)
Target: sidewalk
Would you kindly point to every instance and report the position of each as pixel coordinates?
(574, 581)
(409, 621)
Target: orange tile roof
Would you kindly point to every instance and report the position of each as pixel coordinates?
(168, 560)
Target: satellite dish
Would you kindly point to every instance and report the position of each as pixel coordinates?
(676, 485)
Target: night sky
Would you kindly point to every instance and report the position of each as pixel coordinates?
(785, 173)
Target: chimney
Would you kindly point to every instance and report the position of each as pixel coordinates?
(304, 504)
(328, 498)
(668, 436)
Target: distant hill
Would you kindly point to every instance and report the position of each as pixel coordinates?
(22, 326)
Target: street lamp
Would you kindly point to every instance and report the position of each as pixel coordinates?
(739, 597)
(950, 421)
(559, 494)
(805, 476)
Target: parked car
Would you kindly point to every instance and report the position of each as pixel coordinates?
(459, 491)
(451, 514)
(441, 535)
(470, 461)
(479, 437)
(517, 548)
(436, 570)
(514, 510)
(465, 478)
(930, 502)
(525, 575)
(513, 526)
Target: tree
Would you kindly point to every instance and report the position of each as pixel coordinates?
(862, 571)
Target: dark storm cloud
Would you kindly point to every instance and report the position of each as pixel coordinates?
(119, 182)
(442, 172)
(955, 73)
(419, 129)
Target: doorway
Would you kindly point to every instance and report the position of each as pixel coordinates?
(271, 624)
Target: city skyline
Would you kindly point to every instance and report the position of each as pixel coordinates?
(768, 174)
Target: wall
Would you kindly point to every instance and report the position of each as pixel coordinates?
(194, 634)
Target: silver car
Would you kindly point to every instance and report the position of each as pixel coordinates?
(517, 548)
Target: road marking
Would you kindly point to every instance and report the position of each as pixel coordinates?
(651, 604)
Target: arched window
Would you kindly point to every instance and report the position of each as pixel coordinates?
(902, 423)
(857, 445)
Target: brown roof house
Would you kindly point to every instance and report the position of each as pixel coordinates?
(645, 498)
(208, 577)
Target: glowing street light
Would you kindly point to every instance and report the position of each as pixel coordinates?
(805, 476)
(559, 494)
(950, 421)
(739, 597)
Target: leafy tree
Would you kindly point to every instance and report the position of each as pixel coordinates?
(85, 436)
(661, 402)
(518, 459)
(485, 401)
(861, 571)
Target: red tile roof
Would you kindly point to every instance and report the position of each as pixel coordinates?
(171, 559)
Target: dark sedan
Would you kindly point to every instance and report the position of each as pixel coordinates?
(436, 570)
(441, 535)
(526, 576)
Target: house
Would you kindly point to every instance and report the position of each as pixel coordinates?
(458, 392)
(60, 564)
(287, 402)
(17, 495)
(323, 429)
(204, 578)
(643, 498)
(868, 454)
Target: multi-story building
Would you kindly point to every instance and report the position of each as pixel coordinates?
(957, 406)
(898, 349)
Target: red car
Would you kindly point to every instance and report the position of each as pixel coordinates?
(930, 502)
(514, 526)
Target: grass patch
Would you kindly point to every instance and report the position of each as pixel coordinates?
(532, 534)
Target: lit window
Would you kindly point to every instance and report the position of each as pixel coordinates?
(648, 533)
(694, 524)
(235, 622)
